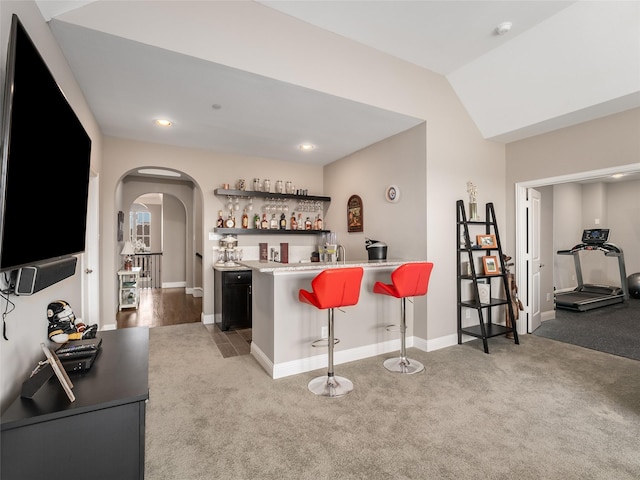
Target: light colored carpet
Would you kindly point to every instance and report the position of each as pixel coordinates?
(539, 410)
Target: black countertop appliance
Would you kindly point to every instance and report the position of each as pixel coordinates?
(376, 249)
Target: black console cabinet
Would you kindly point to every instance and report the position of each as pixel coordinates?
(232, 298)
(100, 435)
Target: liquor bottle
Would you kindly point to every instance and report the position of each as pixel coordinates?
(220, 222)
(265, 224)
(307, 224)
(318, 222)
(294, 224)
(283, 222)
(245, 219)
(300, 222)
(256, 221)
(230, 223)
(274, 222)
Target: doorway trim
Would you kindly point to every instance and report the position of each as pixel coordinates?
(523, 277)
(90, 263)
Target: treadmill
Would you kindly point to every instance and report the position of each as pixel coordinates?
(586, 296)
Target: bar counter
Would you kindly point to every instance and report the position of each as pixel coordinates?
(284, 328)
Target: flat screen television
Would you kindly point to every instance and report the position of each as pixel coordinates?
(46, 156)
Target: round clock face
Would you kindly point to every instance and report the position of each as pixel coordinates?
(392, 193)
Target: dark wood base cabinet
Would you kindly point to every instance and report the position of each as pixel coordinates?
(232, 298)
(101, 435)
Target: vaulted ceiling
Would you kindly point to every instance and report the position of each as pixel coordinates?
(561, 63)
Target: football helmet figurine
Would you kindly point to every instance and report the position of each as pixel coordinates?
(63, 325)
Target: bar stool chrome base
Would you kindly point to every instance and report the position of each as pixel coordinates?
(403, 365)
(330, 386)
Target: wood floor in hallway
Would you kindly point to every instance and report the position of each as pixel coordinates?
(172, 306)
(161, 306)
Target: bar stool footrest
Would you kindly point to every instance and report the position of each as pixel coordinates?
(324, 342)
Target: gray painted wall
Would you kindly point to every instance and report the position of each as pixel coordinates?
(615, 206)
(174, 242)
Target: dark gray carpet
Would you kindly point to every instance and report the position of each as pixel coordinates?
(613, 329)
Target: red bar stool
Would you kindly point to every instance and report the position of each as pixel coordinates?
(408, 280)
(333, 288)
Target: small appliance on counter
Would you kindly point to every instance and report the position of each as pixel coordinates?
(376, 249)
(328, 248)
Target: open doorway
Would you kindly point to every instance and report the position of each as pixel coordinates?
(163, 222)
(562, 230)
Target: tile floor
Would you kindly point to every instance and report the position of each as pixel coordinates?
(233, 342)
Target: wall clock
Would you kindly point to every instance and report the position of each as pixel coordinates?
(392, 194)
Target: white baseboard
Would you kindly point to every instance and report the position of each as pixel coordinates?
(548, 315)
(294, 367)
(262, 359)
(207, 319)
(174, 284)
(438, 343)
(196, 292)
(109, 326)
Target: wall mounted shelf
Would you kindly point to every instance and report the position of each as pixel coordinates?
(267, 231)
(254, 194)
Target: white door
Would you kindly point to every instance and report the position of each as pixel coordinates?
(533, 241)
(90, 274)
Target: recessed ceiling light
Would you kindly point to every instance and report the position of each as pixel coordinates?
(158, 171)
(503, 28)
(163, 122)
(306, 147)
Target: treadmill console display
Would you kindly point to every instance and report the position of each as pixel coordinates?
(596, 236)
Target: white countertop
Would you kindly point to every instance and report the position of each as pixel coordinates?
(230, 268)
(281, 268)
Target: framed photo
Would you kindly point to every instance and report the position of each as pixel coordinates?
(486, 241)
(490, 264)
(58, 369)
(355, 219)
(484, 292)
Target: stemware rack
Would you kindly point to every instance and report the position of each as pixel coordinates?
(308, 204)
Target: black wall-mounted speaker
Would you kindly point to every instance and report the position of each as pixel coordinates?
(30, 280)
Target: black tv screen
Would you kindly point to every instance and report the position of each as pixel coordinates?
(46, 156)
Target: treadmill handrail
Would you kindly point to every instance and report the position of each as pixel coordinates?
(610, 249)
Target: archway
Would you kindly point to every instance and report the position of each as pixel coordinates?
(163, 218)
